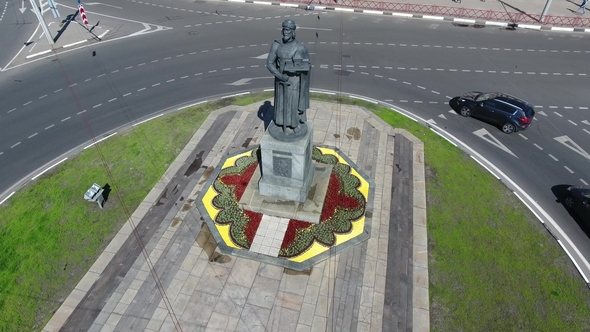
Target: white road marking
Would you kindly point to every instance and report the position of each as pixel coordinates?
(127, 94)
(570, 121)
(521, 135)
(58, 90)
(140, 89)
(12, 110)
(442, 116)
(438, 93)
(97, 105)
(35, 134)
(584, 182)
(111, 100)
(565, 140)
(486, 136)
(27, 103)
(552, 157)
(537, 146)
(154, 85)
(43, 96)
(15, 145)
(569, 170)
(49, 127)
(66, 119)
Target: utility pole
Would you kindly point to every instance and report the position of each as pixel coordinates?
(40, 7)
(545, 10)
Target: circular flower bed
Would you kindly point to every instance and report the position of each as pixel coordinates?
(342, 216)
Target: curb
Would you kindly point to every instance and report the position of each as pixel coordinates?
(422, 16)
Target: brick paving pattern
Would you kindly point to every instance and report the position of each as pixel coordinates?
(174, 279)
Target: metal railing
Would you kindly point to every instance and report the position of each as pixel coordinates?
(458, 12)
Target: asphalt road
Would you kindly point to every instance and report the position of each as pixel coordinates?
(53, 105)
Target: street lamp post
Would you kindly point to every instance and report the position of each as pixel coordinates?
(545, 10)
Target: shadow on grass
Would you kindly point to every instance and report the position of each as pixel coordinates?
(106, 192)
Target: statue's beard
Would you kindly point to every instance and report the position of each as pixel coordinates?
(287, 39)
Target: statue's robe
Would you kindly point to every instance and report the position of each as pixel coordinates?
(291, 99)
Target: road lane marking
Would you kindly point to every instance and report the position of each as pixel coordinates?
(486, 136)
(565, 140)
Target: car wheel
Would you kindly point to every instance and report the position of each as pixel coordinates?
(465, 111)
(569, 202)
(508, 128)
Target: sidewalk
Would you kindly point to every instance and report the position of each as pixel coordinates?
(162, 272)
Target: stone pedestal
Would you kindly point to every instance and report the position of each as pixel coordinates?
(286, 167)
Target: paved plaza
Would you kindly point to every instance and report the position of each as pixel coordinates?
(164, 272)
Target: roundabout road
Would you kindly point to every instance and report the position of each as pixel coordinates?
(54, 104)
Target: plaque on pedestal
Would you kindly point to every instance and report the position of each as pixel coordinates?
(286, 168)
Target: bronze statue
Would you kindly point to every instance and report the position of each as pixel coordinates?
(288, 60)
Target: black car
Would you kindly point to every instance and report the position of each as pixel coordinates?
(508, 112)
(578, 200)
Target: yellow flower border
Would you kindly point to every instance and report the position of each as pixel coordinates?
(316, 248)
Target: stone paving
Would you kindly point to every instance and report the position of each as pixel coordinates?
(162, 271)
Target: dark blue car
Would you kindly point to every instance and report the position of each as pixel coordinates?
(509, 113)
(578, 200)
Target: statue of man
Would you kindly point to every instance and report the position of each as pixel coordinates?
(288, 61)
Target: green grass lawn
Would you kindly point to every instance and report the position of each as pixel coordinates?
(493, 267)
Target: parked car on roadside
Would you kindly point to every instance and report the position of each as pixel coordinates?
(577, 199)
(510, 113)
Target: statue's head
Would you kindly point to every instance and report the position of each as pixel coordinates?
(289, 30)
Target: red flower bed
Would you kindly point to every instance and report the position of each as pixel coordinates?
(335, 198)
(291, 232)
(252, 226)
(240, 181)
